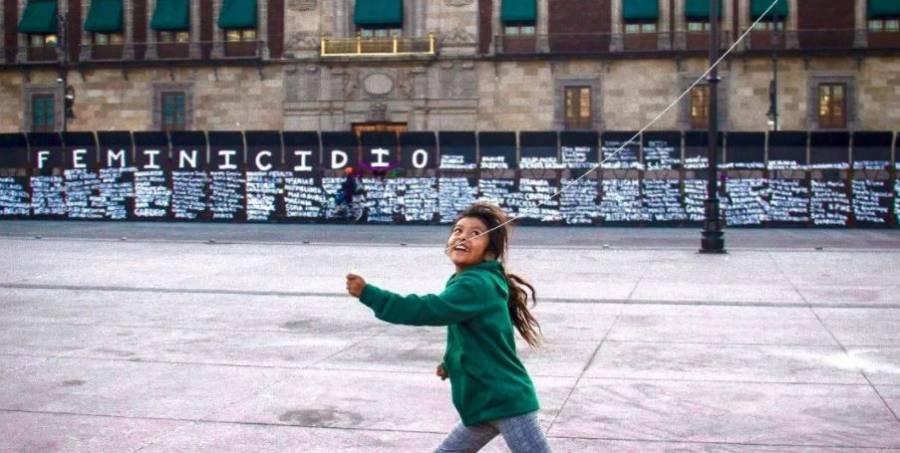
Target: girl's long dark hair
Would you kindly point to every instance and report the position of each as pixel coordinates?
(519, 288)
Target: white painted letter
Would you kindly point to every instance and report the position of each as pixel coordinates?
(115, 156)
(182, 158)
(303, 165)
(259, 164)
(228, 153)
(151, 159)
(78, 158)
(380, 153)
(42, 157)
(334, 159)
(420, 158)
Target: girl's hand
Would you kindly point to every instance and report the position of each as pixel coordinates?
(355, 285)
(441, 372)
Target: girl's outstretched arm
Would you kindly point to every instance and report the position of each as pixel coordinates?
(458, 302)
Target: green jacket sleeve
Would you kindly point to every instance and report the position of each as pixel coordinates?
(462, 299)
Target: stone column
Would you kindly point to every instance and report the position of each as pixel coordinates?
(218, 35)
(22, 54)
(2, 21)
(151, 53)
(262, 27)
(664, 29)
(496, 28)
(128, 22)
(419, 16)
(84, 51)
(617, 42)
(195, 30)
(542, 26)
(679, 28)
(340, 18)
(861, 34)
(743, 15)
(791, 37)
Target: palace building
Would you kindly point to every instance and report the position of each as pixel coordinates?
(443, 65)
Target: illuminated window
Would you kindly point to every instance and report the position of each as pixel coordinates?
(884, 24)
(175, 36)
(578, 107)
(833, 106)
(700, 107)
(519, 30)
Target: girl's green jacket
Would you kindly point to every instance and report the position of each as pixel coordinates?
(487, 379)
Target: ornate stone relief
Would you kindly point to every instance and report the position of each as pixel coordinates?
(378, 84)
(302, 5)
(377, 113)
(301, 40)
(457, 36)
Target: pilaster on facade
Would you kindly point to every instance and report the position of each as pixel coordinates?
(22, 40)
(743, 16)
(262, 28)
(151, 51)
(679, 28)
(3, 21)
(194, 51)
(617, 41)
(664, 37)
(128, 51)
(792, 40)
(84, 48)
(861, 35)
(542, 26)
(496, 27)
(218, 35)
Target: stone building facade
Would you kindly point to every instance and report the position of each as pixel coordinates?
(467, 67)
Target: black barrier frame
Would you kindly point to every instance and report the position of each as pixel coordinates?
(807, 159)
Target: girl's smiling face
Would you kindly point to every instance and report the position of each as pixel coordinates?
(471, 252)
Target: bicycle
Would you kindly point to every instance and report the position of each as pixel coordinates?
(352, 211)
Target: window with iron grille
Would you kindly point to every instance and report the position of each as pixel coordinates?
(43, 113)
(173, 111)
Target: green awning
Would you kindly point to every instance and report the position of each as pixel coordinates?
(699, 9)
(521, 11)
(380, 13)
(39, 17)
(238, 14)
(171, 15)
(105, 16)
(884, 8)
(758, 7)
(640, 10)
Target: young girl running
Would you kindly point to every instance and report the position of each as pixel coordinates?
(480, 305)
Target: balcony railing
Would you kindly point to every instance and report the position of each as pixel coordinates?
(679, 41)
(133, 52)
(393, 46)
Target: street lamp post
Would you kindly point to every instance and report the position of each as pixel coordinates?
(773, 87)
(713, 238)
(62, 44)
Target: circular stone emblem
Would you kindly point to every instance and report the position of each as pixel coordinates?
(378, 84)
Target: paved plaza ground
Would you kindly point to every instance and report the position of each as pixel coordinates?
(160, 337)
